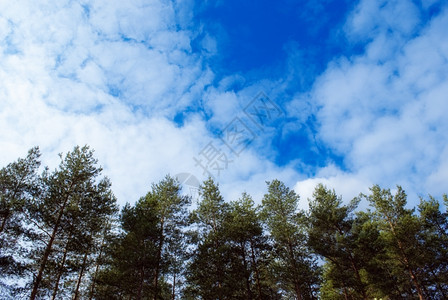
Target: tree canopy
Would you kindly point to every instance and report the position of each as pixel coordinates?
(62, 235)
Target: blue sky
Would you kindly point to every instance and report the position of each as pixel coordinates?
(353, 93)
(256, 35)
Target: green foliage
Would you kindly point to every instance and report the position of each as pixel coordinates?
(331, 236)
(54, 219)
(130, 257)
(433, 239)
(249, 247)
(149, 247)
(411, 243)
(18, 185)
(295, 270)
(208, 276)
(61, 237)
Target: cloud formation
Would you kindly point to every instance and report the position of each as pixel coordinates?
(137, 82)
(112, 75)
(103, 74)
(384, 109)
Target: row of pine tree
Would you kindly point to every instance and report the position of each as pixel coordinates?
(62, 236)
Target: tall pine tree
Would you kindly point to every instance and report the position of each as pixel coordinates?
(18, 185)
(331, 236)
(296, 270)
(208, 276)
(400, 229)
(72, 197)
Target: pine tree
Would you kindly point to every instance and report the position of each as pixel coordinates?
(331, 236)
(249, 248)
(150, 246)
(370, 250)
(130, 256)
(59, 235)
(207, 276)
(296, 270)
(434, 240)
(73, 205)
(18, 185)
(400, 229)
(171, 210)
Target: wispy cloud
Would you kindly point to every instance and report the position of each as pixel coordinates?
(107, 74)
(114, 75)
(136, 80)
(383, 109)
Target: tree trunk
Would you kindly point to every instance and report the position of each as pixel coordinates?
(247, 275)
(47, 252)
(92, 288)
(358, 277)
(97, 266)
(257, 273)
(294, 265)
(407, 264)
(61, 269)
(5, 219)
(346, 297)
(140, 287)
(173, 292)
(159, 259)
(81, 273)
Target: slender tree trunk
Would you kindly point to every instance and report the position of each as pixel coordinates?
(416, 284)
(358, 277)
(173, 292)
(48, 251)
(14, 195)
(354, 267)
(247, 275)
(44, 262)
(294, 265)
(140, 287)
(81, 273)
(5, 219)
(257, 273)
(98, 259)
(407, 264)
(346, 297)
(61, 269)
(159, 259)
(95, 274)
(344, 289)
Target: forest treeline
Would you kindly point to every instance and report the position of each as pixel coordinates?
(63, 236)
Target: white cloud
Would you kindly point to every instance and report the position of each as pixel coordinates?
(373, 17)
(104, 74)
(348, 185)
(209, 44)
(384, 110)
(112, 75)
(132, 48)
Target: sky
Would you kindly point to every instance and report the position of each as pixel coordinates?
(344, 93)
